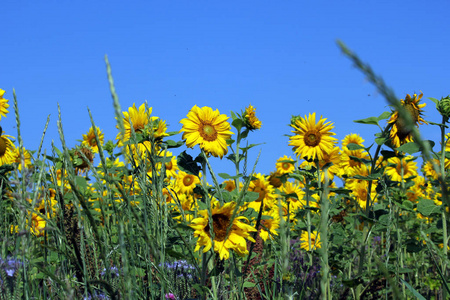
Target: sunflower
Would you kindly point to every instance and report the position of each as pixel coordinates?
(315, 241)
(3, 104)
(352, 138)
(350, 159)
(134, 118)
(312, 140)
(90, 141)
(250, 119)
(207, 128)
(332, 159)
(186, 182)
(294, 195)
(400, 169)
(7, 149)
(171, 164)
(360, 193)
(26, 158)
(429, 171)
(266, 192)
(285, 165)
(236, 239)
(270, 223)
(400, 133)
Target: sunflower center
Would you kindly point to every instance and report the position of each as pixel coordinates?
(169, 165)
(285, 166)
(138, 128)
(188, 180)
(312, 138)
(92, 142)
(208, 132)
(413, 112)
(2, 147)
(262, 193)
(220, 225)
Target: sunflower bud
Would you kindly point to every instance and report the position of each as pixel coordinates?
(294, 119)
(444, 107)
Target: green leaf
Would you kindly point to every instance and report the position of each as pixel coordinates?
(226, 176)
(409, 148)
(436, 101)
(251, 196)
(427, 207)
(353, 146)
(370, 120)
(249, 284)
(187, 164)
(384, 116)
(412, 290)
(81, 183)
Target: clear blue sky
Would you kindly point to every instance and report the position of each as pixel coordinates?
(280, 56)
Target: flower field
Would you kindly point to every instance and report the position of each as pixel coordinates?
(129, 219)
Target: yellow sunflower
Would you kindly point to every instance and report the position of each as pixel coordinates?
(89, 139)
(221, 216)
(26, 158)
(171, 165)
(332, 159)
(401, 168)
(186, 182)
(3, 104)
(312, 140)
(360, 193)
(400, 134)
(266, 192)
(270, 223)
(429, 171)
(134, 118)
(7, 150)
(291, 190)
(285, 165)
(315, 241)
(207, 128)
(352, 138)
(251, 121)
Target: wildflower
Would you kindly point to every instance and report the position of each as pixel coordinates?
(400, 132)
(170, 296)
(135, 119)
(10, 265)
(312, 140)
(315, 241)
(270, 223)
(251, 121)
(221, 216)
(266, 192)
(207, 128)
(113, 271)
(352, 138)
(400, 169)
(3, 104)
(285, 165)
(171, 164)
(90, 141)
(7, 149)
(187, 182)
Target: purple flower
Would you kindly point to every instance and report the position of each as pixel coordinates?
(10, 265)
(113, 271)
(170, 296)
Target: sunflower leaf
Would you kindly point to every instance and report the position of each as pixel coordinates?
(370, 120)
(353, 146)
(426, 207)
(409, 148)
(436, 101)
(187, 164)
(384, 116)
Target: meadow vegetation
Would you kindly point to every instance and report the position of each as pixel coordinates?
(128, 219)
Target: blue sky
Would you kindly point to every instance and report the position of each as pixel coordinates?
(280, 56)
